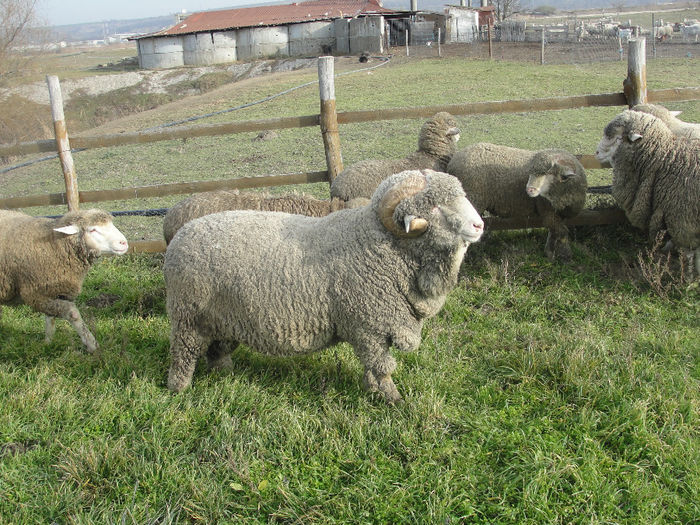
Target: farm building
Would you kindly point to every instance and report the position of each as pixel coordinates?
(299, 29)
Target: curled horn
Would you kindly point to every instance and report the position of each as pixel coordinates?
(409, 186)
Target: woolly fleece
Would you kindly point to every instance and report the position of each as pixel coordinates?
(288, 284)
(656, 179)
(495, 179)
(436, 145)
(202, 204)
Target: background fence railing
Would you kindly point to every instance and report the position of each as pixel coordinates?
(328, 120)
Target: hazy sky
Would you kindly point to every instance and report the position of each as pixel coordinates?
(62, 12)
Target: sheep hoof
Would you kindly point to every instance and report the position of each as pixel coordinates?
(389, 392)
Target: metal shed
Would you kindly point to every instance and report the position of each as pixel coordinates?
(298, 29)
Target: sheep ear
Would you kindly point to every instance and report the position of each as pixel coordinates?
(675, 113)
(568, 173)
(71, 229)
(634, 137)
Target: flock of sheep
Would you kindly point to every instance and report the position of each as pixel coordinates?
(293, 274)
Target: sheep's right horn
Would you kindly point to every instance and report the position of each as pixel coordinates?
(409, 186)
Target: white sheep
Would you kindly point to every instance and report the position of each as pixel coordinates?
(513, 182)
(670, 118)
(656, 180)
(43, 262)
(436, 144)
(691, 32)
(209, 202)
(291, 284)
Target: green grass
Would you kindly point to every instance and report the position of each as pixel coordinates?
(541, 393)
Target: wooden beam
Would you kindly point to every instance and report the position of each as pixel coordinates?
(62, 143)
(348, 117)
(329, 118)
(162, 190)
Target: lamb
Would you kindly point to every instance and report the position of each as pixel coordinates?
(206, 203)
(289, 284)
(655, 177)
(512, 182)
(670, 118)
(43, 262)
(436, 145)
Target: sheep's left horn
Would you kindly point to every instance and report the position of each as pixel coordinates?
(409, 186)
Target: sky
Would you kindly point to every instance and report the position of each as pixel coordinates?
(64, 12)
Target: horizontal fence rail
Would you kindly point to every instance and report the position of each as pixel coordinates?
(162, 190)
(349, 117)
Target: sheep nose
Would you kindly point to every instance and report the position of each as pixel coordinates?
(478, 226)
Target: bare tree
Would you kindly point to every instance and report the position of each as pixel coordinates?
(17, 18)
(505, 8)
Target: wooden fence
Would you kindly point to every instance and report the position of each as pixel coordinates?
(328, 120)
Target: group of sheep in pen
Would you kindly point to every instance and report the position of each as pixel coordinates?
(368, 266)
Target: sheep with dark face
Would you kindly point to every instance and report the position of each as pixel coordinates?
(289, 284)
(436, 145)
(206, 203)
(43, 262)
(656, 177)
(670, 118)
(512, 182)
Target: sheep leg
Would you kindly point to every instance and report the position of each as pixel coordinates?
(557, 245)
(186, 347)
(218, 355)
(379, 365)
(64, 309)
(50, 328)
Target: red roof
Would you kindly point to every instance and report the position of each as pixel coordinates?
(272, 15)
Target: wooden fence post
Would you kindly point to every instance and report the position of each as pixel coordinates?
(329, 117)
(635, 85)
(488, 28)
(62, 144)
(407, 52)
(544, 31)
(438, 43)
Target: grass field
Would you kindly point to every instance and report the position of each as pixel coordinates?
(541, 393)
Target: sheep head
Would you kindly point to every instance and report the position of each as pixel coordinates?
(546, 169)
(410, 201)
(97, 231)
(439, 135)
(624, 128)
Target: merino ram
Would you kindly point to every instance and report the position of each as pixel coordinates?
(436, 145)
(656, 179)
(210, 202)
(670, 118)
(289, 284)
(43, 262)
(511, 182)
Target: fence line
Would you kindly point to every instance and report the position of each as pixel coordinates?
(349, 117)
(635, 89)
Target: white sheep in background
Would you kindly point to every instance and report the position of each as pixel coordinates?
(290, 284)
(656, 177)
(209, 202)
(513, 182)
(670, 118)
(437, 142)
(43, 262)
(690, 32)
